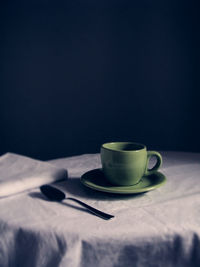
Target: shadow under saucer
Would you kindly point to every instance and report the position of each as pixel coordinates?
(75, 187)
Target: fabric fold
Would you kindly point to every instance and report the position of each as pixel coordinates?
(20, 173)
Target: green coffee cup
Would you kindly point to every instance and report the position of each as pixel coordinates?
(125, 163)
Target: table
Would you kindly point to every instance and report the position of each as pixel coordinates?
(159, 228)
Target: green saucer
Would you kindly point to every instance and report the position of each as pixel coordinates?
(95, 179)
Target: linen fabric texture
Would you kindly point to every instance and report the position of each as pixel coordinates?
(158, 228)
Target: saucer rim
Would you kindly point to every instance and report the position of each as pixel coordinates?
(123, 189)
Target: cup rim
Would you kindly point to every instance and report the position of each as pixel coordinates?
(143, 147)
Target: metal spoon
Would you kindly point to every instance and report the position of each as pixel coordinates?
(55, 194)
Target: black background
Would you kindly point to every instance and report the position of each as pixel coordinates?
(76, 74)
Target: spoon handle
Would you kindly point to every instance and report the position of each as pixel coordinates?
(99, 213)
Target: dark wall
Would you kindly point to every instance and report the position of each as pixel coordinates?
(75, 74)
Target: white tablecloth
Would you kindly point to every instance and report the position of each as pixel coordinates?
(159, 228)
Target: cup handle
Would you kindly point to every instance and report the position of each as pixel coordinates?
(158, 163)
